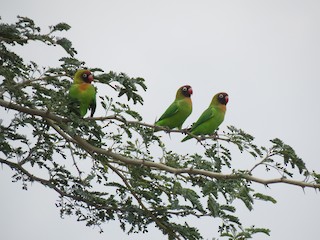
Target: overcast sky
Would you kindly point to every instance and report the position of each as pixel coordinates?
(265, 54)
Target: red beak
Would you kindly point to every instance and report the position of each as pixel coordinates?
(190, 91)
(226, 98)
(90, 78)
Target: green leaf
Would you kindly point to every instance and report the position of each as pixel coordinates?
(213, 206)
(263, 197)
(61, 27)
(67, 45)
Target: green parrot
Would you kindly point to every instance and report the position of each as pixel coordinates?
(179, 110)
(212, 117)
(83, 92)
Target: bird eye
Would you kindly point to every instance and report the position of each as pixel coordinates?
(220, 95)
(84, 75)
(184, 89)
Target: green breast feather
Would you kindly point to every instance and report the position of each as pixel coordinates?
(85, 96)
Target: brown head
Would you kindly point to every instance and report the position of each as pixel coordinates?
(220, 98)
(83, 75)
(184, 91)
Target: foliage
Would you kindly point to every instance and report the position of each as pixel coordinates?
(106, 168)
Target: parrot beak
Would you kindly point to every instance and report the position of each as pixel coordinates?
(226, 98)
(90, 78)
(190, 91)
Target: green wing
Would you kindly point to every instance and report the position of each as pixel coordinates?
(199, 126)
(205, 116)
(171, 110)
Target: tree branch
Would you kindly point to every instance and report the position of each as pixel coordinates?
(191, 171)
(32, 111)
(165, 129)
(159, 166)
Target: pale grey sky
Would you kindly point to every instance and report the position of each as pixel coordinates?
(265, 54)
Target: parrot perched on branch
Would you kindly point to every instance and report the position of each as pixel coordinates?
(212, 117)
(179, 110)
(83, 92)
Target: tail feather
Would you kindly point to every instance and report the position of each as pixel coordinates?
(186, 138)
(93, 108)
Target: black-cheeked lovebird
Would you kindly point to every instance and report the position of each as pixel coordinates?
(179, 110)
(211, 118)
(83, 92)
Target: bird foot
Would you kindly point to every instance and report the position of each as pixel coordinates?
(214, 135)
(185, 130)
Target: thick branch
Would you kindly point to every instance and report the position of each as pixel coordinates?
(31, 111)
(191, 171)
(159, 166)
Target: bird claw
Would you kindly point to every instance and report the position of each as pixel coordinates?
(185, 130)
(167, 130)
(214, 135)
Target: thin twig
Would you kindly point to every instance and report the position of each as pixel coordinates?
(165, 129)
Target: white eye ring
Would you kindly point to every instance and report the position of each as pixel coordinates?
(221, 96)
(184, 89)
(85, 75)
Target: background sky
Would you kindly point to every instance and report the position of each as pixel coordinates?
(265, 54)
